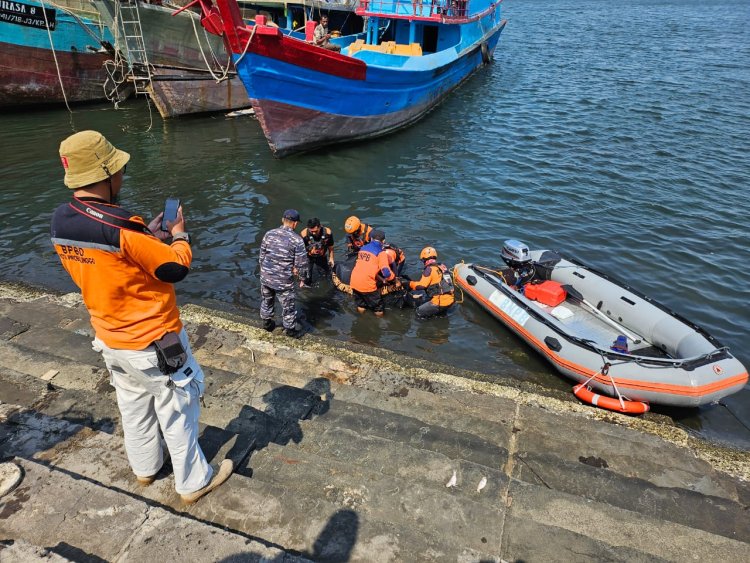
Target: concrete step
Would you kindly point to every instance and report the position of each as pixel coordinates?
(53, 505)
(364, 446)
(540, 518)
(322, 528)
(59, 371)
(375, 459)
(273, 414)
(485, 416)
(263, 406)
(623, 452)
(410, 496)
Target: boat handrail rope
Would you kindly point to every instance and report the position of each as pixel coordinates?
(54, 55)
(455, 285)
(224, 70)
(496, 272)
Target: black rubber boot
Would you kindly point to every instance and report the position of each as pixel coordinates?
(269, 324)
(293, 333)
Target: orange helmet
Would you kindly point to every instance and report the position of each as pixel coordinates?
(428, 253)
(352, 224)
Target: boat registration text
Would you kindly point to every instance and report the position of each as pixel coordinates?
(26, 14)
(506, 305)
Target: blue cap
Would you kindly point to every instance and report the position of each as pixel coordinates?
(291, 215)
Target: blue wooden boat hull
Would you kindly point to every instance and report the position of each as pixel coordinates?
(307, 97)
(302, 109)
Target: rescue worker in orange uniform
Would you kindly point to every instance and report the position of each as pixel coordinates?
(433, 293)
(396, 257)
(371, 271)
(126, 274)
(358, 234)
(319, 245)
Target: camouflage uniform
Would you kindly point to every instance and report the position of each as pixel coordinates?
(281, 250)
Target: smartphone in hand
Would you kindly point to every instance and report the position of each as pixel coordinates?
(170, 212)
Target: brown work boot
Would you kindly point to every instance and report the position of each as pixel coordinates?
(145, 481)
(225, 470)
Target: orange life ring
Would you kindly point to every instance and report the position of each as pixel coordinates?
(588, 396)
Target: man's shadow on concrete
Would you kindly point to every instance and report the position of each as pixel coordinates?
(335, 542)
(278, 423)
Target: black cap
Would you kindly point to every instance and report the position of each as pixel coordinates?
(291, 215)
(377, 234)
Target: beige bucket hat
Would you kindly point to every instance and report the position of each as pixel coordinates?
(89, 158)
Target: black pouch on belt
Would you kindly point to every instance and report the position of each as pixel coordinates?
(170, 353)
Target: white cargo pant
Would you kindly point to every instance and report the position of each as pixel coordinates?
(147, 404)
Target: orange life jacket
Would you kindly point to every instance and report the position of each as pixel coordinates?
(360, 237)
(437, 284)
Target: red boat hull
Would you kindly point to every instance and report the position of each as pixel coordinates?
(28, 75)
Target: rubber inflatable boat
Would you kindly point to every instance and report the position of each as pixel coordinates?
(625, 349)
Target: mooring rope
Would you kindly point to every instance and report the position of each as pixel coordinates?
(247, 45)
(54, 55)
(225, 71)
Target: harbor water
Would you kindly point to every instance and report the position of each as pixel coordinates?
(618, 133)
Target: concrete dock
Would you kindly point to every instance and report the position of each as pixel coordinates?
(345, 456)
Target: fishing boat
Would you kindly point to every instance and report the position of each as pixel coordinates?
(411, 56)
(53, 53)
(624, 349)
(171, 59)
(168, 56)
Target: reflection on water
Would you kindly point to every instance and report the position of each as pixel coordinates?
(602, 141)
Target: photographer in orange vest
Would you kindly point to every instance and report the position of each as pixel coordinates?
(126, 274)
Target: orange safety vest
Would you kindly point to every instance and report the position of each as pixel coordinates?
(121, 272)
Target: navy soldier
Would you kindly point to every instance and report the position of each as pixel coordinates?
(282, 257)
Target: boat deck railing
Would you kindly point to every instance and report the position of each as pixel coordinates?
(419, 9)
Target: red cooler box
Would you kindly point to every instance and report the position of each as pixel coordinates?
(547, 293)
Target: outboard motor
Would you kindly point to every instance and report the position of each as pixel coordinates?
(516, 255)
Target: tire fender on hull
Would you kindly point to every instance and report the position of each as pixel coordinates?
(486, 55)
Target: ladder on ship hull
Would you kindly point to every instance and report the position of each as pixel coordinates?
(129, 18)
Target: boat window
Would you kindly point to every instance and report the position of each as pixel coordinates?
(429, 39)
